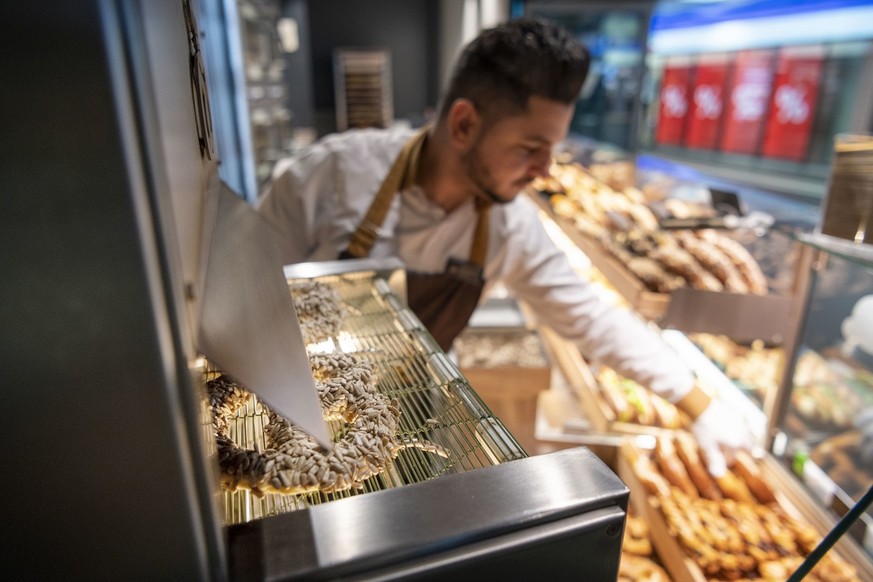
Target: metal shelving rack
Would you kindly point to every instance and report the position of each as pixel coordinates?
(362, 84)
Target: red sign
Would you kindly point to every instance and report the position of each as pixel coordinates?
(674, 102)
(747, 104)
(707, 101)
(792, 105)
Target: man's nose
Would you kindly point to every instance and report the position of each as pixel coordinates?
(541, 164)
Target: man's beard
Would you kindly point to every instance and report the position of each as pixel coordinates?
(478, 173)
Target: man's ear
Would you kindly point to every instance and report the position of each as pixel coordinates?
(464, 123)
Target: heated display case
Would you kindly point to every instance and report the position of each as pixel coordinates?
(109, 231)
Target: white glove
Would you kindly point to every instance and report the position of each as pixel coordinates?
(720, 433)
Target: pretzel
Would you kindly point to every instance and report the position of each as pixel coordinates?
(292, 462)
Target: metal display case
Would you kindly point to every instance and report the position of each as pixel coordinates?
(112, 204)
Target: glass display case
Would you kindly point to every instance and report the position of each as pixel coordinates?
(827, 391)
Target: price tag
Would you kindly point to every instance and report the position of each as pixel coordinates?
(819, 482)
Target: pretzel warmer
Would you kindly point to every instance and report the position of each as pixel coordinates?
(113, 315)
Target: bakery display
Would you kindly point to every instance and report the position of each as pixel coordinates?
(733, 527)
(626, 224)
(640, 242)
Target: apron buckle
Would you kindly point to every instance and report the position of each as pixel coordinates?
(372, 230)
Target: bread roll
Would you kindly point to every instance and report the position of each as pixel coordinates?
(734, 488)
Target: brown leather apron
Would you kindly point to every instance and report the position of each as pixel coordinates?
(443, 301)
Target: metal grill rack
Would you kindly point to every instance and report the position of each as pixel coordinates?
(437, 404)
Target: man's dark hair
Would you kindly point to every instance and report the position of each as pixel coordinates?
(502, 68)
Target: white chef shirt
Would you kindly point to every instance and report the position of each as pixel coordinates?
(316, 200)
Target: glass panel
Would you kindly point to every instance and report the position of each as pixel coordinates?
(829, 422)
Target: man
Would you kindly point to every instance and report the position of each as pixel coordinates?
(445, 200)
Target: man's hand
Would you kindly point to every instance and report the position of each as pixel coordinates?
(720, 432)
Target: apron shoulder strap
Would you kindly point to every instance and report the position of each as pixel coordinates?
(399, 176)
(479, 248)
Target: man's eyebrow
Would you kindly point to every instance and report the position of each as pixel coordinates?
(537, 138)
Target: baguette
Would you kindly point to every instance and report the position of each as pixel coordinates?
(686, 447)
(672, 468)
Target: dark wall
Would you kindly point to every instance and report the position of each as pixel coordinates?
(408, 28)
(299, 66)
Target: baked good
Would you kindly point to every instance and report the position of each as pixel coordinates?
(634, 403)
(633, 568)
(653, 275)
(667, 414)
(635, 539)
(617, 401)
(671, 466)
(742, 259)
(714, 260)
(684, 264)
(736, 537)
(650, 477)
(747, 469)
(734, 488)
(320, 310)
(686, 448)
(291, 461)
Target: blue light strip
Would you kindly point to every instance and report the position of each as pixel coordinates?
(769, 25)
(671, 14)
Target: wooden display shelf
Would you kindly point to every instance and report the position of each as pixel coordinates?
(790, 496)
(742, 317)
